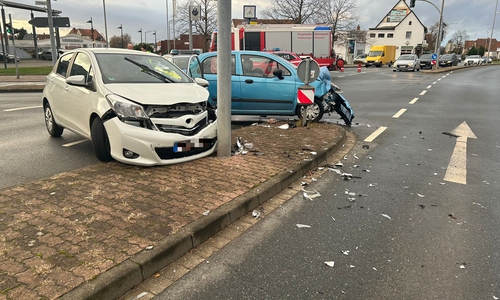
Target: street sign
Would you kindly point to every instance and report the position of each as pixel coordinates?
(434, 56)
(40, 2)
(44, 22)
(433, 62)
(308, 75)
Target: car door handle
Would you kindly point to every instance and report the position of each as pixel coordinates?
(248, 80)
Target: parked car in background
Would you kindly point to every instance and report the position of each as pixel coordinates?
(426, 61)
(10, 57)
(473, 60)
(487, 60)
(407, 62)
(47, 55)
(448, 60)
(180, 60)
(135, 107)
(360, 59)
(293, 58)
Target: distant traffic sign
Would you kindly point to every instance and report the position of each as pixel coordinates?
(40, 2)
(44, 22)
(434, 56)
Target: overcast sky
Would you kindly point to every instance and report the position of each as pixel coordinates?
(475, 16)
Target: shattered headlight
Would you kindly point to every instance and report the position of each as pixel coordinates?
(125, 109)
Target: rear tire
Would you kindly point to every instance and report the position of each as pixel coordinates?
(51, 125)
(100, 141)
(315, 113)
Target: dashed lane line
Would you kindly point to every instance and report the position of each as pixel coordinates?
(413, 101)
(429, 86)
(375, 134)
(399, 113)
(423, 92)
(22, 108)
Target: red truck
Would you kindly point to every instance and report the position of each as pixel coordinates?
(315, 41)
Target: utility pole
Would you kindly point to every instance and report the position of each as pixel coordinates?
(51, 33)
(224, 78)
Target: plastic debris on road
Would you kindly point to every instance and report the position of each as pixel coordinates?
(345, 252)
(355, 156)
(386, 216)
(284, 126)
(149, 247)
(450, 134)
(302, 226)
(310, 195)
(339, 164)
(255, 214)
(421, 196)
(206, 213)
(335, 170)
(330, 263)
(462, 267)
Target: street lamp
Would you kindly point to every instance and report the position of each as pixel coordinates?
(140, 30)
(121, 32)
(145, 35)
(92, 30)
(492, 27)
(154, 33)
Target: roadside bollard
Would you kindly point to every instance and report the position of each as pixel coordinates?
(359, 67)
(341, 69)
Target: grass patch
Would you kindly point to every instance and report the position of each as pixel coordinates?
(27, 71)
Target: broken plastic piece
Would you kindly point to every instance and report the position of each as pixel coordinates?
(462, 267)
(272, 121)
(302, 226)
(206, 213)
(386, 216)
(450, 134)
(255, 214)
(284, 126)
(311, 195)
(314, 153)
(335, 170)
(248, 145)
(421, 196)
(330, 263)
(355, 156)
(366, 170)
(345, 252)
(149, 247)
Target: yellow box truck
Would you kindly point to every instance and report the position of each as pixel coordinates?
(381, 55)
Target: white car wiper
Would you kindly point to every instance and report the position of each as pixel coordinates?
(150, 71)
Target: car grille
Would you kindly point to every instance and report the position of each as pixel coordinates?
(168, 152)
(176, 111)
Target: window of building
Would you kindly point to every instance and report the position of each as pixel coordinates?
(390, 35)
(381, 35)
(408, 34)
(372, 35)
(409, 23)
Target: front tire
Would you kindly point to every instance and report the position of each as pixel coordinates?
(100, 141)
(314, 113)
(52, 127)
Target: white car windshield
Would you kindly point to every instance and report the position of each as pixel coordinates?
(406, 57)
(116, 69)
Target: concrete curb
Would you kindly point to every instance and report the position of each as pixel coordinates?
(122, 278)
(19, 88)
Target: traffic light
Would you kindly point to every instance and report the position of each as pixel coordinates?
(412, 3)
(8, 28)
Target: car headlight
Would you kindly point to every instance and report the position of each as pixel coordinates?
(125, 109)
(410, 64)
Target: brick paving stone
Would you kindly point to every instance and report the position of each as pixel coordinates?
(94, 218)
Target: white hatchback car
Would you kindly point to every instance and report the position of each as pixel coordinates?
(407, 62)
(135, 107)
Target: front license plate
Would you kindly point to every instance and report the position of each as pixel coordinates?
(186, 146)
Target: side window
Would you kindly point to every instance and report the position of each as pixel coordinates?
(210, 65)
(81, 66)
(62, 66)
(260, 66)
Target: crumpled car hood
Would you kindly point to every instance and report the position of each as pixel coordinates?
(160, 93)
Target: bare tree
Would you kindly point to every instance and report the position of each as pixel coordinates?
(459, 38)
(116, 41)
(204, 27)
(300, 11)
(341, 16)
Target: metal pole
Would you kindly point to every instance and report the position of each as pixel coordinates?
(155, 41)
(224, 78)
(173, 18)
(438, 40)
(3, 48)
(33, 28)
(6, 36)
(15, 52)
(51, 32)
(105, 23)
(491, 37)
(168, 30)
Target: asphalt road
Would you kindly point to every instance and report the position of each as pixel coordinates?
(408, 231)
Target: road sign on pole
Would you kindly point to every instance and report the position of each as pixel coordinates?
(40, 2)
(44, 22)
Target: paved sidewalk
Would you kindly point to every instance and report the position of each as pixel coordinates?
(96, 232)
(23, 84)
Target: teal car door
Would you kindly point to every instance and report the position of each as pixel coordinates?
(261, 91)
(210, 74)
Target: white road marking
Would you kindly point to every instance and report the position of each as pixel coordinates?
(457, 168)
(399, 113)
(429, 86)
(413, 101)
(423, 92)
(375, 134)
(75, 143)
(22, 108)
(439, 79)
(434, 82)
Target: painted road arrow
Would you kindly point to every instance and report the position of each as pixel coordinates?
(457, 169)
